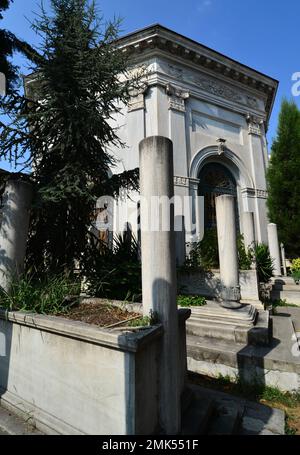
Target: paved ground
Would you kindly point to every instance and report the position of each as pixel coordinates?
(10, 424)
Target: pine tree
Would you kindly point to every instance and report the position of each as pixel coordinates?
(8, 44)
(6, 51)
(80, 82)
(284, 178)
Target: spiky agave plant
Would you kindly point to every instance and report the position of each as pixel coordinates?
(264, 262)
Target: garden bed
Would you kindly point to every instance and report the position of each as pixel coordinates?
(101, 312)
(74, 378)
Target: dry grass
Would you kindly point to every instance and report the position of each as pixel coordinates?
(101, 314)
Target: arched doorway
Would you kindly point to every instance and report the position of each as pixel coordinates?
(215, 179)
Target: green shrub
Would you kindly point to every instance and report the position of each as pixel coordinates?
(115, 273)
(52, 295)
(188, 300)
(264, 262)
(245, 257)
(205, 254)
(295, 269)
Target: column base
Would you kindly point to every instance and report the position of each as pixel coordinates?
(244, 325)
(230, 304)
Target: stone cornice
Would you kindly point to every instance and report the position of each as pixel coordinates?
(159, 38)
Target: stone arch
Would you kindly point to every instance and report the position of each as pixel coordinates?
(228, 159)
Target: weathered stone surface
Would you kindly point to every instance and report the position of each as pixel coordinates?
(248, 228)
(236, 415)
(228, 254)
(276, 365)
(208, 284)
(245, 325)
(159, 272)
(74, 378)
(11, 424)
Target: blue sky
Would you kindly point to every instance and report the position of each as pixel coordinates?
(262, 33)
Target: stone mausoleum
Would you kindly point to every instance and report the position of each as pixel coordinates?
(216, 112)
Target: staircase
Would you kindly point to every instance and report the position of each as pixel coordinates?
(246, 325)
(266, 352)
(210, 412)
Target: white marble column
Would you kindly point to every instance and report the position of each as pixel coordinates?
(228, 254)
(16, 202)
(159, 271)
(248, 228)
(274, 248)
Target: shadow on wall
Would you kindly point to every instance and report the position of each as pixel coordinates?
(251, 360)
(5, 264)
(10, 224)
(6, 329)
(144, 379)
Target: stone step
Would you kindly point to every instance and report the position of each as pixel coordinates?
(234, 415)
(226, 420)
(262, 420)
(276, 365)
(258, 334)
(196, 418)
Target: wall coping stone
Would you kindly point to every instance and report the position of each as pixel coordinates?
(128, 341)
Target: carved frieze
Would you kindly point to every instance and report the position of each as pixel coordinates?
(218, 89)
(175, 72)
(210, 85)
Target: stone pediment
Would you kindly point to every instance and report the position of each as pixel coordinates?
(158, 39)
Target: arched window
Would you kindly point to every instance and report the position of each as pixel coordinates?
(215, 179)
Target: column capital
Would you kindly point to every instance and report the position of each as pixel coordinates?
(137, 98)
(254, 125)
(177, 98)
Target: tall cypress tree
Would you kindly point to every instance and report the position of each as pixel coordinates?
(79, 84)
(284, 178)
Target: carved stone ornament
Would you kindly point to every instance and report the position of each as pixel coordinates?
(181, 181)
(254, 125)
(177, 98)
(221, 146)
(214, 87)
(137, 100)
